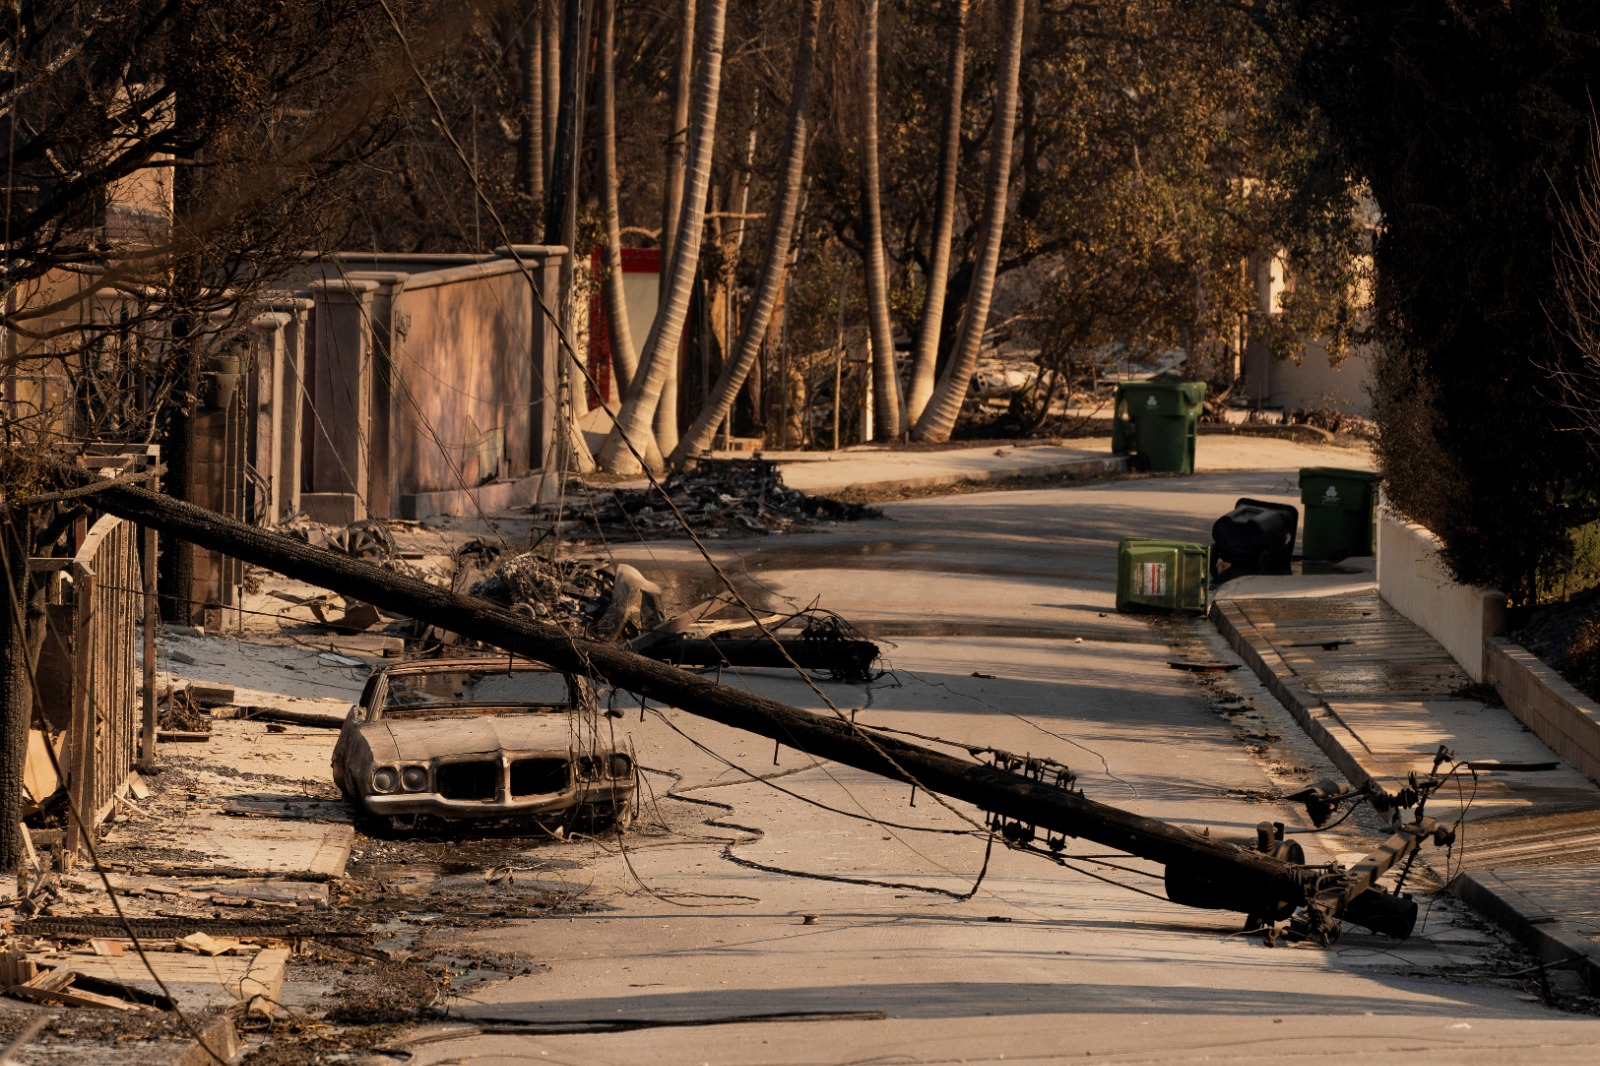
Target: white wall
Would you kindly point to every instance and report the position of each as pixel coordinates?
(1413, 580)
(1269, 382)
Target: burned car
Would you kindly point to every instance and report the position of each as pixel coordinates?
(483, 740)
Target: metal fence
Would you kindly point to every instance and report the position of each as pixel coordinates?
(97, 602)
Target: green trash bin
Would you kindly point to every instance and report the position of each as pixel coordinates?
(1341, 508)
(1166, 576)
(1157, 421)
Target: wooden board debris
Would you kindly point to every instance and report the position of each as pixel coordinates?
(205, 944)
(39, 778)
(16, 968)
(196, 982)
(208, 695)
(180, 736)
(262, 985)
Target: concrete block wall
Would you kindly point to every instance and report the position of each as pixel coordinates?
(1413, 580)
(1558, 714)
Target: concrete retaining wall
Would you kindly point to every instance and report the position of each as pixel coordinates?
(1558, 714)
(1413, 580)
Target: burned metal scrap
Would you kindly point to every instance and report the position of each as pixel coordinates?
(605, 600)
(825, 643)
(716, 496)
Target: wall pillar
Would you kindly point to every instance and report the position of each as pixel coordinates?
(390, 324)
(293, 400)
(543, 263)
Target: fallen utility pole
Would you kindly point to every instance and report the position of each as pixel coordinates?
(1220, 874)
(847, 660)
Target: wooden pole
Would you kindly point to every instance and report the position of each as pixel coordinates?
(1258, 876)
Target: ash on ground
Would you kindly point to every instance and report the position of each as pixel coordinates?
(717, 497)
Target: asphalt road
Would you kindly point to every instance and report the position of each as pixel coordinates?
(820, 915)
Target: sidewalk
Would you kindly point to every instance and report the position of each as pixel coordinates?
(1379, 696)
(886, 468)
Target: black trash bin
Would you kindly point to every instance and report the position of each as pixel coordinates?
(1256, 536)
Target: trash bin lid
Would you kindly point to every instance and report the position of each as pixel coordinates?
(1164, 396)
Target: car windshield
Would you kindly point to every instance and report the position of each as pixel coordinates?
(469, 687)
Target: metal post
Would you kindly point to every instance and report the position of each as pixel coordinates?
(147, 567)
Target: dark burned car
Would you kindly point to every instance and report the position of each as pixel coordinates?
(488, 741)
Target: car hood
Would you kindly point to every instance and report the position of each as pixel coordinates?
(421, 739)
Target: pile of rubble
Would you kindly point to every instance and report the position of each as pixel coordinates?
(568, 591)
(716, 497)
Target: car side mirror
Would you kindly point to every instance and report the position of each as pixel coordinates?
(612, 712)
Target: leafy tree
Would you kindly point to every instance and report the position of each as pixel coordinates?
(1470, 121)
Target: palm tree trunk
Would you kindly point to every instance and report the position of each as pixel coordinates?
(623, 360)
(530, 90)
(632, 435)
(885, 384)
(552, 79)
(939, 418)
(775, 258)
(925, 352)
(677, 140)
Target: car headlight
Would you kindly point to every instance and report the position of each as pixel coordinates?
(384, 779)
(620, 765)
(414, 778)
(589, 767)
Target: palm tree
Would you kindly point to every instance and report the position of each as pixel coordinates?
(530, 100)
(632, 436)
(622, 353)
(925, 350)
(775, 258)
(939, 418)
(890, 408)
(677, 138)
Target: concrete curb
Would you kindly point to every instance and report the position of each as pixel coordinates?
(1110, 464)
(1534, 926)
(1274, 673)
(1483, 890)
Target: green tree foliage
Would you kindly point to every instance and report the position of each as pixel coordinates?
(1469, 120)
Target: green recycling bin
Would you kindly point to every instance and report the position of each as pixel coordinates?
(1165, 576)
(1156, 420)
(1341, 508)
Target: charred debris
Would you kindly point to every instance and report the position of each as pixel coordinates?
(616, 603)
(1026, 800)
(715, 497)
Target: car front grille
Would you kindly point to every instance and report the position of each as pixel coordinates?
(478, 780)
(535, 777)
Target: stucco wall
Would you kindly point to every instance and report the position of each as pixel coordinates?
(1413, 580)
(1269, 382)
(463, 370)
